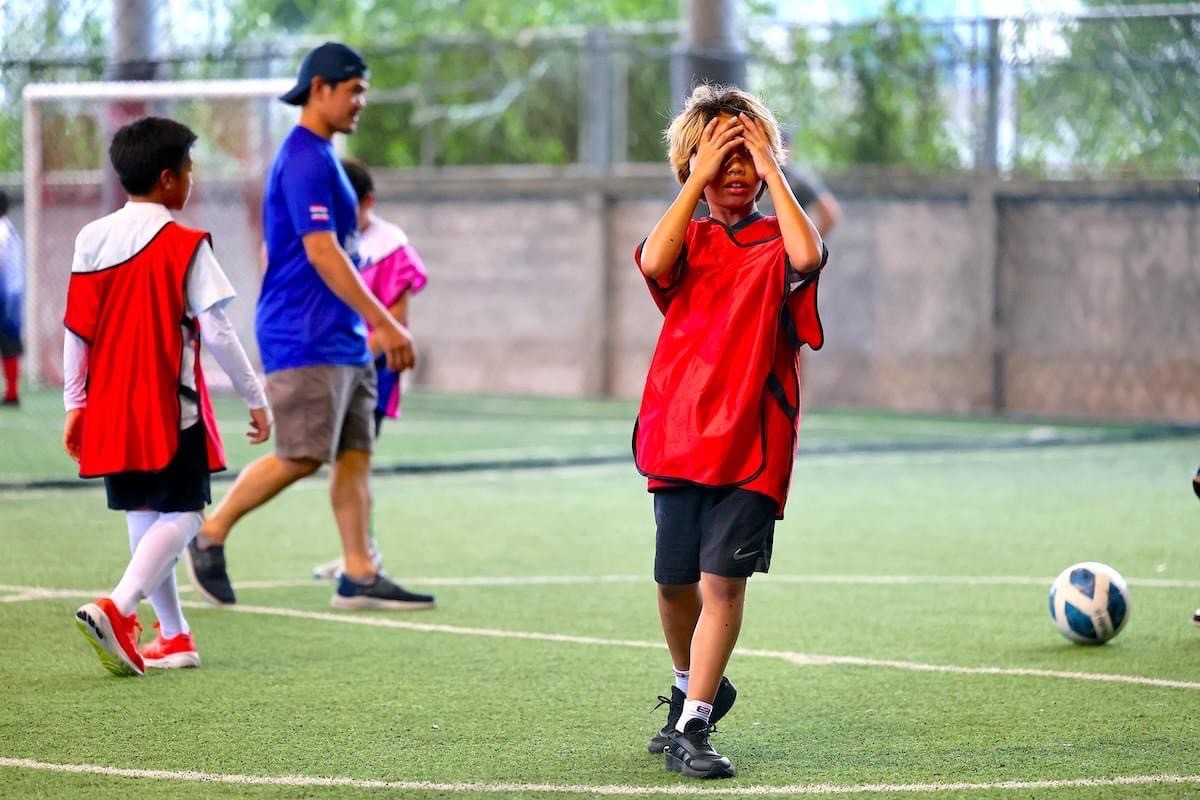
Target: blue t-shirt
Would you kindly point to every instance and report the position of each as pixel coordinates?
(300, 322)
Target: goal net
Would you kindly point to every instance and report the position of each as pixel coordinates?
(67, 128)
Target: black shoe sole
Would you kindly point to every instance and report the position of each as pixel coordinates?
(676, 765)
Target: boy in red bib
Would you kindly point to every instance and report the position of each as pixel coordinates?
(716, 431)
(144, 293)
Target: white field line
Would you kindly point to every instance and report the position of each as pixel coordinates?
(799, 659)
(688, 790)
(21, 593)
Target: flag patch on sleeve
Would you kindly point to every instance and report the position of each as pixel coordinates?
(318, 213)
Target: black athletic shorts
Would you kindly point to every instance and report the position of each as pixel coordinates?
(183, 486)
(726, 532)
(10, 345)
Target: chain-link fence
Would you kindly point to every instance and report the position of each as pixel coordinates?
(1107, 93)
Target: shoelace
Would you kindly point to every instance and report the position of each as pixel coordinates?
(707, 730)
(662, 701)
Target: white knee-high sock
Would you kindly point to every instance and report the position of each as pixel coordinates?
(154, 558)
(138, 523)
(165, 602)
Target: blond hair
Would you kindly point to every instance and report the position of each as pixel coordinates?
(709, 100)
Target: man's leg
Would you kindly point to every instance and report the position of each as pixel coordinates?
(350, 494)
(257, 483)
(204, 558)
(360, 585)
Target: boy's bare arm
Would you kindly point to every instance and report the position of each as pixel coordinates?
(663, 245)
(800, 236)
(334, 267)
(665, 241)
(399, 309)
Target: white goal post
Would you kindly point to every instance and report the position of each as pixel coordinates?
(65, 139)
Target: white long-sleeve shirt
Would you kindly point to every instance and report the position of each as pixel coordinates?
(118, 237)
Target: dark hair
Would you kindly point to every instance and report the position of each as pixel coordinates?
(3, 202)
(360, 179)
(141, 150)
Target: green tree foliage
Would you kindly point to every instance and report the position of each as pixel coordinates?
(38, 41)
(1122, 96)
(460, 82)
(864, 93)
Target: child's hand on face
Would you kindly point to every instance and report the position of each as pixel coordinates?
(758, 145)
(719, 139)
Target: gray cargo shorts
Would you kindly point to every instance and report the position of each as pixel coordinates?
(322, 411)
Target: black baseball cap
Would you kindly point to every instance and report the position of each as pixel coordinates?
(332, 61)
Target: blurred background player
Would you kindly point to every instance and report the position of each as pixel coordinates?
(812, 194)
(138, 411)
(309, 321)
(12, 297)
(716, 430)
(1196, 489)
(393, 272)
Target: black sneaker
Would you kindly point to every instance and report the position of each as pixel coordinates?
(726, 695)
(379, 593)
(206, 570)
(688, 752)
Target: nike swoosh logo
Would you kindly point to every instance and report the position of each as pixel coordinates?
(738, 555)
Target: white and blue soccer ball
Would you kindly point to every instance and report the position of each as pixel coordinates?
(1089, 602)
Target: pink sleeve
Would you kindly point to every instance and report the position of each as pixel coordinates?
(400, 271)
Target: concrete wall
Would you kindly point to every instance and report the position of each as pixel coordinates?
(960, 295)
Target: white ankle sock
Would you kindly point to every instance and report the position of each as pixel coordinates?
(154, 556)
(681, 679)
(693, 709)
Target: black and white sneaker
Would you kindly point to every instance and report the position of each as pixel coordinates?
(689, 753)
(726, 695)
(206, 570)
(379, 593)
(1196, 617)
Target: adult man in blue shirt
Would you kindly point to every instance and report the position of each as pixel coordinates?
(314, 346)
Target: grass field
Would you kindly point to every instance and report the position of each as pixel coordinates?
(900, 646)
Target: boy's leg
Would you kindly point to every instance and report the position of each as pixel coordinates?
(716, 633)
(165, 598)
(679, 610)
(155, 556)
(12, 378)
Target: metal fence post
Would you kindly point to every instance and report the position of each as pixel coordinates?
(595, 129)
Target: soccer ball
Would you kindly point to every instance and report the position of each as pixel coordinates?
(1089, 602)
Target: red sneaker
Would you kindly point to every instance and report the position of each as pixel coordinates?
(114, 636)
(178, 652)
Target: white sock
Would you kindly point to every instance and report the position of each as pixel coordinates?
(681, 679)
(693, 709)
(138, 523)
(165, 602)
(154, 557)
